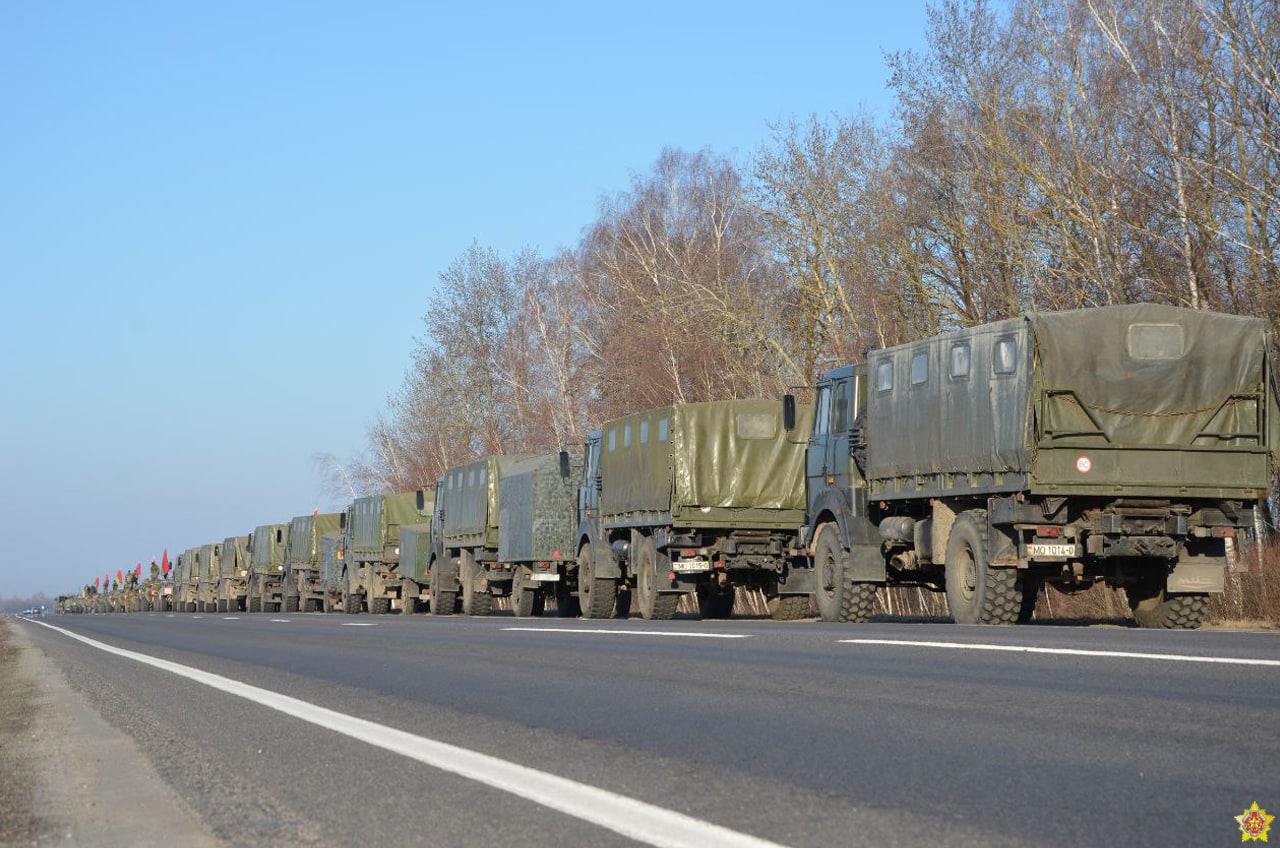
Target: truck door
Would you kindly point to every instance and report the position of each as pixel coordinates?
(589, 491)
(842, 418)
(816, 457)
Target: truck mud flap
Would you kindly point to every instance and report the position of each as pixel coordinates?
(866, 564)
(1198, 575)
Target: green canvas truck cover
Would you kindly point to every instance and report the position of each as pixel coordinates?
(267, 547)
(470, 495)
(696, 457)
(234, 557)
(331, 559)
(1153, 375)
(538, 520)
(376, 520)
(208, 558)
(304, 538)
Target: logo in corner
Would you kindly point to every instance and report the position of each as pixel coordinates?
(1254, 824)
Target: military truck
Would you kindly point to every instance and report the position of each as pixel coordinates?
(537, 530)
(415, 555)
(465, 563)
(332, 577)
(185, 576)
(234, 564)
(208, 575)
(303, 584)
(266, 573)
(1120, 445)
(696, 498)
(370, 578)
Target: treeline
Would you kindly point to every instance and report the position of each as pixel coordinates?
(1048, 155)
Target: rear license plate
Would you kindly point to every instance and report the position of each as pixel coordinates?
(1037, 549)
(690, 566)
(545, 576)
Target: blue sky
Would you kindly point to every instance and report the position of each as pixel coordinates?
(220, 222)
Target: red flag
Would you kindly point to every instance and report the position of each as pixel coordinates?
(119, 575)
(97, 581)
(138, 570)
(164, 563)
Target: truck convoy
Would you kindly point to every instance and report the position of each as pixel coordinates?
(1120, 445)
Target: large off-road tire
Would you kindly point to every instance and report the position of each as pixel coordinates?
(1152, 606)
(597, 596)
(409, 603)
(832, 575)
(352, 603)
(379, 606)
(444, 598)
(976, 592)
(255, 604)
(654, 605)
(291, 603)
(476, 598)
(788, 607)
(714, 601)
(523, 596)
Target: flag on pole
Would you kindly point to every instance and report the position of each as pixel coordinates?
(97, 582)
(119, 575)
(138, 570)
(164, 563)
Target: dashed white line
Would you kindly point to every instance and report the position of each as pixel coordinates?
(631, 818)
(359, 624)
(1073, 652)
(280, 620)
(231, 618)
(629, 632)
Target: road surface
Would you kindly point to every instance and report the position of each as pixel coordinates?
(316, 730)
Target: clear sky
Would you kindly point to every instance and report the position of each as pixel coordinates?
(220, 221)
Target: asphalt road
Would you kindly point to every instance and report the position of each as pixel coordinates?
(786, 733)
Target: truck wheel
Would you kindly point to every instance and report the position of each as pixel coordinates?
(476, 598)
(654, 605)
(443, 600)
(379, 606)
(291, 603)
(351, 604)
(523, 596)
(833, 581)
(1152, 606)
(714, 601)
(255, 604)
(788, 607)
(976, 592)
(597, 596)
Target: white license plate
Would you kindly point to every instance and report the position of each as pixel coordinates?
(1037, 549)
(690, 566)
(545, 576)
(168, 590)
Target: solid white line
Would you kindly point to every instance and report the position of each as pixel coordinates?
(1074, 652)
(630, 632)
(633, 819)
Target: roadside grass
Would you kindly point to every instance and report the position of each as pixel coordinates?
(18, 824)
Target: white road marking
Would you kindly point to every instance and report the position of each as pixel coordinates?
(280, 620)
(630, 632)
(359, 624)
(633, 819)
(231, 618)
(1074, 652)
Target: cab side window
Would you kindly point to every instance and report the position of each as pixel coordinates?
(822, 414)
(841, 418)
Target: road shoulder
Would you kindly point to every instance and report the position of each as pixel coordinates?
(92, 785)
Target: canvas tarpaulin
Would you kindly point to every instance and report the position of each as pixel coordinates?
(1151, 375)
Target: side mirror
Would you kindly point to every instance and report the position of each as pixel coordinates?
(422, 500)
(788, 412)
(564, 465)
